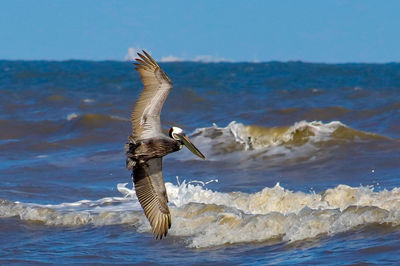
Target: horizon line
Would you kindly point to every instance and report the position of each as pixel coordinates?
(205, 62)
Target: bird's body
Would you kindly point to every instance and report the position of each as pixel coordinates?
(143, 150)
(148, 144)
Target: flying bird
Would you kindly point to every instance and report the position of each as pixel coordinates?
(148, 144)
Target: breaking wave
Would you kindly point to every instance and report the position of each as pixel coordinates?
(94, 120)
(207, 218)
(258, 137)
(300, 140)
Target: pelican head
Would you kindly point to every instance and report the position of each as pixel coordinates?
(177, 134)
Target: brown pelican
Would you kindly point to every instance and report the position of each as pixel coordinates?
(148, 144)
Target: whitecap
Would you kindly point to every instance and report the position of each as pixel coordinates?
(72, 116)
(208, 218)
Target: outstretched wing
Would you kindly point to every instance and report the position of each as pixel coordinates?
(146, 114)
(152, 195)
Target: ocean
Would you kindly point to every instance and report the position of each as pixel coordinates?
(303, 164)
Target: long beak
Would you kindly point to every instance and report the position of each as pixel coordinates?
(190, 145)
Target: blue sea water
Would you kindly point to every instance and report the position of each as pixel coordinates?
(302, 164)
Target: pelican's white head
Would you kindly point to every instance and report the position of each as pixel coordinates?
(177, 134)
(173, 131)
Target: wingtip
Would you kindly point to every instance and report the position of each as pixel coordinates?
(160, 226)
(146, 54)
(139, 56)
(150, 58)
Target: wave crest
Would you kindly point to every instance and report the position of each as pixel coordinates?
(94, 120)
(258, 137)
(301, 141)
(210, 218)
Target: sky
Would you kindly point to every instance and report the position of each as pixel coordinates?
(207, 30)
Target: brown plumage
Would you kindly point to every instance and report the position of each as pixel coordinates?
(147, 144)
(157, 85)
(142, 151)
(146, 147)
(152, 195)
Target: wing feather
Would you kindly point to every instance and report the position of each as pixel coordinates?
(157, 85)
(152, 195)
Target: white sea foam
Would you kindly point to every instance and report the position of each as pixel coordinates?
(88, 100)
(255, 137)
(72, 116)
(209, 218)
(238, 142)
(95, 117)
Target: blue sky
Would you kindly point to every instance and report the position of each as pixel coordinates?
(311, 31)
